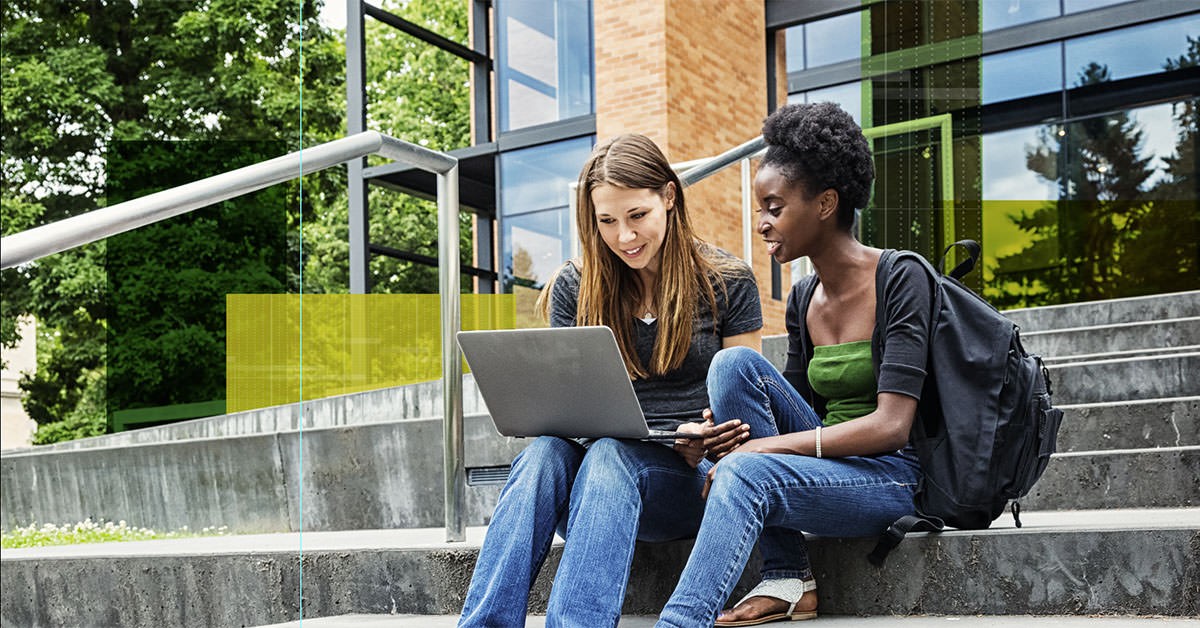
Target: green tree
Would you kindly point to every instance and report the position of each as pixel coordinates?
(78, 76)
(167, 282)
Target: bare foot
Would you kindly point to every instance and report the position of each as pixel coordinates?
(757, 607)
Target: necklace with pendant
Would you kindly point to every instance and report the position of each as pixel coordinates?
(648, 317)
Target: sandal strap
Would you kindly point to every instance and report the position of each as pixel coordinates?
(789, 590)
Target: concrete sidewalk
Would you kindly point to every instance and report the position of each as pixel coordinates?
(836, 621)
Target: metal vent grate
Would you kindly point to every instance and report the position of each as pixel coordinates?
(487, 476)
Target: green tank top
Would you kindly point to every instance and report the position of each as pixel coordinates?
(844, 375)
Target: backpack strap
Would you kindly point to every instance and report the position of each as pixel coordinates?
(908, 523)
(896, 532)
(964, 267)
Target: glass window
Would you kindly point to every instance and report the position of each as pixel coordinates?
(1021, 73)
(1004, 13)
(544, 61)
(536, 245)
(823, 42)
(534, 217)
(1008, 173)
(1098, 208)
(1128, 52)
(537, 178)
(833, 39)
(849, 96)
(794, 45)
(1077, 6)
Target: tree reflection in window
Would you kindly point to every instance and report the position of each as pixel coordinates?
(1126, 221)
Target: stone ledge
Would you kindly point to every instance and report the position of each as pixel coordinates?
(1106, 562)
(1172, 422)
(1109, 312)
(1165, 478)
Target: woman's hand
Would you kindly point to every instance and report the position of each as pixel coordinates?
(720, 440)
(692, 449)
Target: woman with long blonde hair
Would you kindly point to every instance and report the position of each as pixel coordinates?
(672, 302)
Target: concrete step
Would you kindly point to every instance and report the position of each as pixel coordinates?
(1059, 343)
(1140, 562)
(1167, 477)
(1145, 352)
(1126, 379)
(1109, 312)
(1142, 424)
(840, 621)
(379, 475)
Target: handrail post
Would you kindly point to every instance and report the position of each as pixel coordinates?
(356, 122)
(454, 473)
(747, 214)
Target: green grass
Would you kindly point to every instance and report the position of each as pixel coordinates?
(88, 531)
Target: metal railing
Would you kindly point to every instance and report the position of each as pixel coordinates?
(27, 246)
(695, 171)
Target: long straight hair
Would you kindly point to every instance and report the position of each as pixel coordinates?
(609, 288)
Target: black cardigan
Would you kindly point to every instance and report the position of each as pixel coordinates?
(903, 336)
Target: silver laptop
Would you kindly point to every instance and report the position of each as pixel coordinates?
(560, 381)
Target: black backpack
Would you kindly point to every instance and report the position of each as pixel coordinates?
(984, 429)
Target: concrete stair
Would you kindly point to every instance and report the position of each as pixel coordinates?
(1113, 527)
(1061, 563)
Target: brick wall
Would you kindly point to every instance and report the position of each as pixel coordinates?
(691, 75)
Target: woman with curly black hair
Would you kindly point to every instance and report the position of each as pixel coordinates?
(817, 448)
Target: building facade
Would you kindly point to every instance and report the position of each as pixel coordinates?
(1060, 134)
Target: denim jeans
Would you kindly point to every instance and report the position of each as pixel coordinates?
(777, 496)
(601, 499)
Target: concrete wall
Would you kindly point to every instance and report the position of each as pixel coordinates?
(380, 475)
(415, 401)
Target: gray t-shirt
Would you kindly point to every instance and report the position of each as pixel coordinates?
(679, 395)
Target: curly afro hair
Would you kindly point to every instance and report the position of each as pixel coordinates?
(819, 146)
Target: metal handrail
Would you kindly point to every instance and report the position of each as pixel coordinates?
(699, 170)
(101, 223)
(27, 246)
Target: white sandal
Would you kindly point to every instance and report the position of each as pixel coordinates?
(786, 589)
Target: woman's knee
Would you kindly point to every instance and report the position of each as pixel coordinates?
(733, 361)
(548, 456)
(738, 474)
(738, 465)
(612, 467)
(608, 456)
(734, 357)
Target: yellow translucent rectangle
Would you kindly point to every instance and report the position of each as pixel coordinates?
(282, 348)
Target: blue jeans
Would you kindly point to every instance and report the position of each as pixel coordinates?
(777, 496)
(602, 499)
